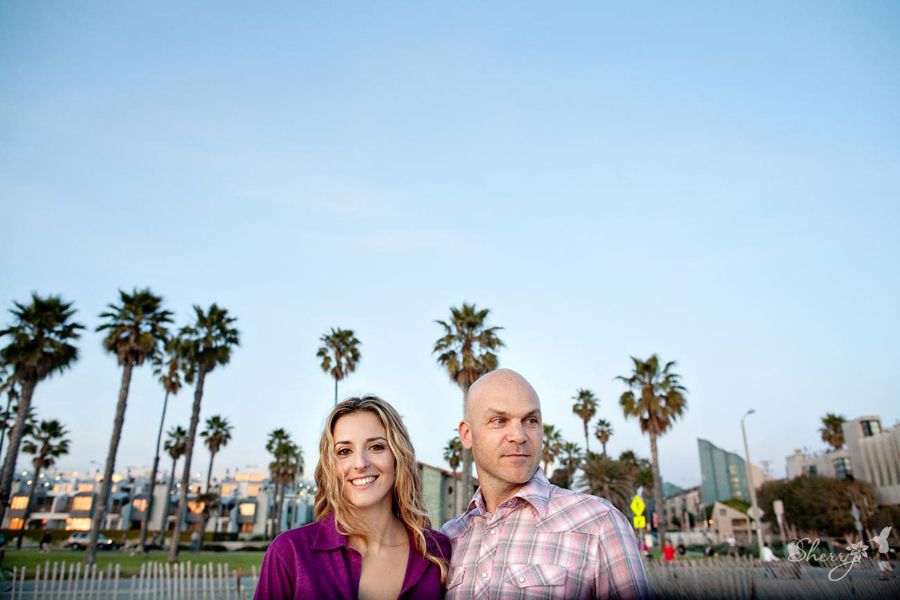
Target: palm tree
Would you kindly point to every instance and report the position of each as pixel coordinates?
(603, 430)
(7, 417)
(608, 478)
(175, 445)
(551, 448)
(47, 443)
(832, 430)
(284, 469)
(467, 350)
(135, 329)
(216, 435)
(207, 344)
(585, 407)
(571, 459)
(167, 369)
(39, 345)
(659, 402)
(642, 473)
(453, 456)
(339, 353)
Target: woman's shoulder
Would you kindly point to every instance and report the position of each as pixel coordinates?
(437, 543)
(300, 537)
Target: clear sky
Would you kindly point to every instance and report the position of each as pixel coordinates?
(715, 182)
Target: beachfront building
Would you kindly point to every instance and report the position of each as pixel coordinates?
(871, 454)
(723, 474)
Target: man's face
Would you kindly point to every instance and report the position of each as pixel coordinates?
(504, 430)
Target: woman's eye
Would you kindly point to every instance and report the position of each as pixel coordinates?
(377, 447)
(343, 452)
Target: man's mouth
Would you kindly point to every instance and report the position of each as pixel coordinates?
(364, 482)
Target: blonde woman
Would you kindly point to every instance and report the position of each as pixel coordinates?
(371, 538)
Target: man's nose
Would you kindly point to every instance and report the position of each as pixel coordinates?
(516, 433)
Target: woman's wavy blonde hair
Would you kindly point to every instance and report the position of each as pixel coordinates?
(408, 504)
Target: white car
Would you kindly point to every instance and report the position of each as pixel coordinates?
(79, 541)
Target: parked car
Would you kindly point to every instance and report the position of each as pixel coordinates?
(79, 541)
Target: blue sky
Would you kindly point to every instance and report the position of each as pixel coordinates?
(713, 182)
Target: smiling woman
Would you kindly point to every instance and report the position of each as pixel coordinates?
(372, 536)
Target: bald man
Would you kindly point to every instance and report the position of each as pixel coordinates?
(521, 536)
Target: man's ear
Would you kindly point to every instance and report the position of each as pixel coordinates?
(465, 434)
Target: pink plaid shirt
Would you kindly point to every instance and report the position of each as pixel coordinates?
(544, 542)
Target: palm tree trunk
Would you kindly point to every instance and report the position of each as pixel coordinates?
(587, 446)
(467, 466)
(335, 390)
(604, 448)
(186, 473)
(657, 491)
(9, 399)
(90, 553)
(145, 524)
(456, 495)
(212, 456)
(164, 520)
(15, 440)
(28, 505)
(279, 507)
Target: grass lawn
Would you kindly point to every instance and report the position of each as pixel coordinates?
(129, 565)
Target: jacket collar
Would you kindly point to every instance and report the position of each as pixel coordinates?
(327, 536)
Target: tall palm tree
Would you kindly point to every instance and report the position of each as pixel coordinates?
(175, 446)
(207, 344)
(8, 416)
(135, 329)
(339, 353)
(216, 435)
(832, 430)
(467, 350)
(39, 344)
(585, 407)
(656, 399)
(46, 442)
(603, 430)
(286, 467)
(453, 456)
(552, 446)
(167, 369)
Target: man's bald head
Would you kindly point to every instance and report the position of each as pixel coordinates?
(499, 382)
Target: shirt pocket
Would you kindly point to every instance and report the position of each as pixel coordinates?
(536, 576)
(457, 576)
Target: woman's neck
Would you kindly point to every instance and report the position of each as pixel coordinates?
(384, 530)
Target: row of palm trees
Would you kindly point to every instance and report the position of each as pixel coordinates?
(41, 342)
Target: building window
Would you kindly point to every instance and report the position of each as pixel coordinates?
(842, 469)
(227, 489)
(871, 428)
(19, 502)
(140, 504)
(82, 502)
(17, 523)
(253, 490)
(78, 524)
(247, 509)
(196, 507)
(812, 470)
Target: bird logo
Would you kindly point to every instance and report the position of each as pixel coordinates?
(881, 540)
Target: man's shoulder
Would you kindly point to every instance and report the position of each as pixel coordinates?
(577, 512)
(456, 526)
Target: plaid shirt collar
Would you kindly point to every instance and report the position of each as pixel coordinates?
(536, 492)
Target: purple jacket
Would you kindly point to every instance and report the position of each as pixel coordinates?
(314, 561)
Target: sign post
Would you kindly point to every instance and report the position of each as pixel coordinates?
(778, 507)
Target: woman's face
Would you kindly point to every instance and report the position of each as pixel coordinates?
(364, 460)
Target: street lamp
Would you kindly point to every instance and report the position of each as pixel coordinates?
(756, 513)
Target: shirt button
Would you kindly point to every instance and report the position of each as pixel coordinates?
(484, 575)
(521, 580)
(493, 531)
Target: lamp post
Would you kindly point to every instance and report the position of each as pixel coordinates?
(754, 507)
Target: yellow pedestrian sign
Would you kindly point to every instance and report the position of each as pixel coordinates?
(637, 507)
(640, 521)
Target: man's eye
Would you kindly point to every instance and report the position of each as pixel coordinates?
(533, 420)
(499, 421)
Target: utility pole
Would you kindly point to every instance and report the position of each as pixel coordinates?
(755, 512)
